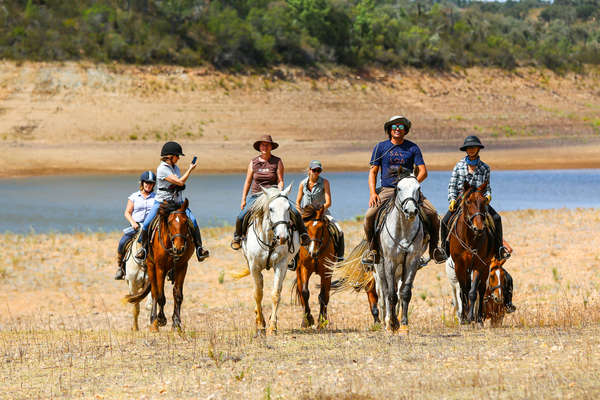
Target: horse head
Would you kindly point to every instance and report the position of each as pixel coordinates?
(496, 281)
(278, 214)
(474, 205)
(177, 223)
(315, 227)
(408, 194)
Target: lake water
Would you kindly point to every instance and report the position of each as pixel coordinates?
(96, 203)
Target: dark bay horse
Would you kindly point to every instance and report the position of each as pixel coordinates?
(313, 259)
(171, 246)
(472, 249)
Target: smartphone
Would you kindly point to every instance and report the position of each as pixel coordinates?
(194, 160)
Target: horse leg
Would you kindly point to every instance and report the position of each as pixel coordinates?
(373, 299)
(178, 295)
(473, 295)
(153, 289)
(406, 290)
(303, 275)
(481, 295)
(161, 300)
(258, 295)
(324, 299)
(381, 288)
(392, 297)
(276, 295)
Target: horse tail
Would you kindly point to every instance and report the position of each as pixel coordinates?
(295, 293)
(350, 273)
(136, 298)
(241, 274)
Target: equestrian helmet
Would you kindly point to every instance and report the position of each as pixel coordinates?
(397, 119)
(171, 149)
(148, 176)
(471, 141)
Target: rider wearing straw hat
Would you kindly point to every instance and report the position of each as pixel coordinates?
(264, 171)
(170, 185)
(138, 207)
(392, 153)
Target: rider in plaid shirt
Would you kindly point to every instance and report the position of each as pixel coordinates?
(461, 174)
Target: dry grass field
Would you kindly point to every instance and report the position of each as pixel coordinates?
(64, 331)
(60, 118)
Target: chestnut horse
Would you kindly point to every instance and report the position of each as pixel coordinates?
(171, 246)
(313, 259)
(493, 302)
(472, 249)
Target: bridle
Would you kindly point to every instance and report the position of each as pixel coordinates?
(171, 240)
(498, 286)
(270, 247)
(469, 218)
(401, 210)
(319, 241)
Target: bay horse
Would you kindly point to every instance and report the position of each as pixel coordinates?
(313, 259)
(171, 246)
(402, 239)
(270, 242)
(493, 301)
(472, 249)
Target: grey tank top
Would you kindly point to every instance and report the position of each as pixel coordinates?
(316, 196)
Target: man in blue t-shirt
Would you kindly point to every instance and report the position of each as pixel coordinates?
(393, 153)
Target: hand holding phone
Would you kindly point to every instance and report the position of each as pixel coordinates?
(194, 160)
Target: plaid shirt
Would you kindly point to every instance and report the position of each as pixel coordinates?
(460, 175)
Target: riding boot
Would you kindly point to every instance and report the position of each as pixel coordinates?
(436, 253)
(443, 237)
(201, 253)
(502, 251)
(304, 238)
(508, 305)
(140, 256)
(340, 247)
(236, 243)
(294, 263)
(121, 267)
(372, 256)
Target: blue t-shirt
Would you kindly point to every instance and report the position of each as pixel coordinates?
(386, 155)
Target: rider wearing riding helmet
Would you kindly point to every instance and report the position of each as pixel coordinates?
(315, 190)
(393, 153)
(475, 172)
(264, 171)
(170, 184)
(138, 207)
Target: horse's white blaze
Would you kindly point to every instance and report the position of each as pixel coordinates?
(315, 223)
(499, 282)
(177, 218)
(311, 248)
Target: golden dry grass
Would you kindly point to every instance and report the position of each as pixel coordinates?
(65, 333)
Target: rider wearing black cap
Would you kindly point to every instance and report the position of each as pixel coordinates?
(170, 184)
(138, 207)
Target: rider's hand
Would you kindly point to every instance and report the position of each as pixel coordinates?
(192, 166)
(374, 200)
(135, 225)
(243, 204)
(489, 198)
(452, 205)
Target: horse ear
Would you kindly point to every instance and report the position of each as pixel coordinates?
(287, 190)
(186, 203)
(264, 191)
(482, 187)
(320, 212)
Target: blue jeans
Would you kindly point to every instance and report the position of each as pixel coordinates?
(154, 211)
(124, 239)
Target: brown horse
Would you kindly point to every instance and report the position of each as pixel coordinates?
(493, 302)
(472, 249)
(171, 246)
(314, 258)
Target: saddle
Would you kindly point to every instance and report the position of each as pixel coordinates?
(166, 207)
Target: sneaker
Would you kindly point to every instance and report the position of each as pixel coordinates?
(439, 255)
(201, 254)
(236, 243)
(370, 257)
(120, 275)
(292, 265)
(503, 253)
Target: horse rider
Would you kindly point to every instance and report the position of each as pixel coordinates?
(137, 209)
(315, 190)
(264, 170)
(170, 184)
(475, 172)
(393, 153)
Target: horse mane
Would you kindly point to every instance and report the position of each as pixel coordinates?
(167, 207)
(260, 207)
(310, 211)
(398, 173)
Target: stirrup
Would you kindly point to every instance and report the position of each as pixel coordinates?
(439, 255)
(503, 253)
(369, 258)
(201, 254)
(140, 256)
(292, 266)
(236, 244)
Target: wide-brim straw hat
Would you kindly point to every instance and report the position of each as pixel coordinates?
(397, 119)
(471, 141)
(265, 138)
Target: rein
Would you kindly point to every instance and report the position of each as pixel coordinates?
(400, 209)
(171, 239)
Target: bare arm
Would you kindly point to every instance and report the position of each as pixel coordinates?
(421, 172)
(174, 179)
(280, 175)
(128, 214)
(247, 184)
(300, 195)
(373, 197)
(327, 194)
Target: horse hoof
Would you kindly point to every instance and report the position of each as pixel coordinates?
(261, 332)
(272, 330)
(162, 321)
(154, 327)
(135, 328)
(403, 330)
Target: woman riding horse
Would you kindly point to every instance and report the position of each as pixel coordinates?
(264, 171)
(138, 207)
(475, 172)
(314, 190)
(170, 185)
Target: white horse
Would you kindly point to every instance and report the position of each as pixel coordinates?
(136, 277)
(270, 242)
(454, 288)
(402, 240)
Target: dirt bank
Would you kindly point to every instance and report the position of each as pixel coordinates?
(78, 117)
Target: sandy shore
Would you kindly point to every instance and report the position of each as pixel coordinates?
(85, 118)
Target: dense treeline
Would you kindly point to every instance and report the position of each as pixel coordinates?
(564, 34)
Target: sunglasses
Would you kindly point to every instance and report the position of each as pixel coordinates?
(316, 170)
(394, 127)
